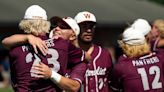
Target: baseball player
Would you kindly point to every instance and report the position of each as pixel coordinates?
(100, 62)
(151, 34)
(59, 55)
(138, 69)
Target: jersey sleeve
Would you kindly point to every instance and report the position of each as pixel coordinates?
(75, 55)
(110, 63)
(115, 83)
(153, 44)
(78, 72)
(77, 66)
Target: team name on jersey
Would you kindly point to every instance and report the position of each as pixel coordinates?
(50, 43)
(142, 62)
(98, 71)
(25, 48)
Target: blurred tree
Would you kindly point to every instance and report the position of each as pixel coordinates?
(158, 1)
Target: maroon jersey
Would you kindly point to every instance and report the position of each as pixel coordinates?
(153, 44)
(144, 74)
(97, 74)
(60, 54)
(77, 72)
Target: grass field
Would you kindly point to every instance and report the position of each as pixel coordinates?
(9, 89)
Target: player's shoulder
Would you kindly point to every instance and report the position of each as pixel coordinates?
(154, 43)
(101, 47)
(123, 59)
(160, 53)
(20, 50)
(104, 51)
(60, 41)
(122, 62)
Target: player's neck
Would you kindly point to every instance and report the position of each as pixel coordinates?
(90, 50)
(85, 47)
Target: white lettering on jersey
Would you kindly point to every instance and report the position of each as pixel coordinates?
(98, 71)
(53, 60)
(155, 72)
(50, 43)
(141, 62)
(25, 48)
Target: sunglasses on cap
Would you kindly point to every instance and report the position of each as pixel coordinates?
(61, 25)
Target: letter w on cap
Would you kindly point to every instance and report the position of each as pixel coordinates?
(87, 16)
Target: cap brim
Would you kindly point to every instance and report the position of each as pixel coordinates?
(87, 21)
(55, 20)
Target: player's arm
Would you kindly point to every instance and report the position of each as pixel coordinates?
(115, 79)
(18, 39)
(14, 40)
(69, 85)
(64, 83)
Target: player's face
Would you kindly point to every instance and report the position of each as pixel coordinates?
(154, 32)
(63, 31)
(87, 31)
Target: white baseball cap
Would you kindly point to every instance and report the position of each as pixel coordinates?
(35, 12)
(85, 16)
(133, 37)
(142, 25)
(68, 21)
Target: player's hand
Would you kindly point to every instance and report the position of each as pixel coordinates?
(87, 57)
(42, 70)
(36, 42)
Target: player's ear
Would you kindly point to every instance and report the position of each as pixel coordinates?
(72, 37)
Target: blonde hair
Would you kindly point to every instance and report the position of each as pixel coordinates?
(158, 23)
(35, 26)
(133, 51)
(160, 27)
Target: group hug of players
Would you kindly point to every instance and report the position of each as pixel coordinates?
(66, 59)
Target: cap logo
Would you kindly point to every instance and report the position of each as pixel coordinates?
(87, 16)
(37, 17)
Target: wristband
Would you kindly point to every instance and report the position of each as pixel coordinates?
(55, 77)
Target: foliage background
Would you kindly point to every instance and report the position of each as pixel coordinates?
(158, 1)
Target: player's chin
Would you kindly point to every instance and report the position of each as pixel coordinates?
(88, 40)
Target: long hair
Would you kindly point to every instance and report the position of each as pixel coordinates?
(133, 51)
(161, 28)
(158, 22)
(35, 26)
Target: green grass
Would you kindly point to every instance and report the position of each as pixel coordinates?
(9, 89)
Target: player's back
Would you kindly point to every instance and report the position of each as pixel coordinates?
(144, 74)
(22, 58)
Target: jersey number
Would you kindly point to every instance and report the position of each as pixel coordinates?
(155, 83)
(52, 60)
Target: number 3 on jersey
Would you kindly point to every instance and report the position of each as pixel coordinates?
(156, 84)
(52, 60)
